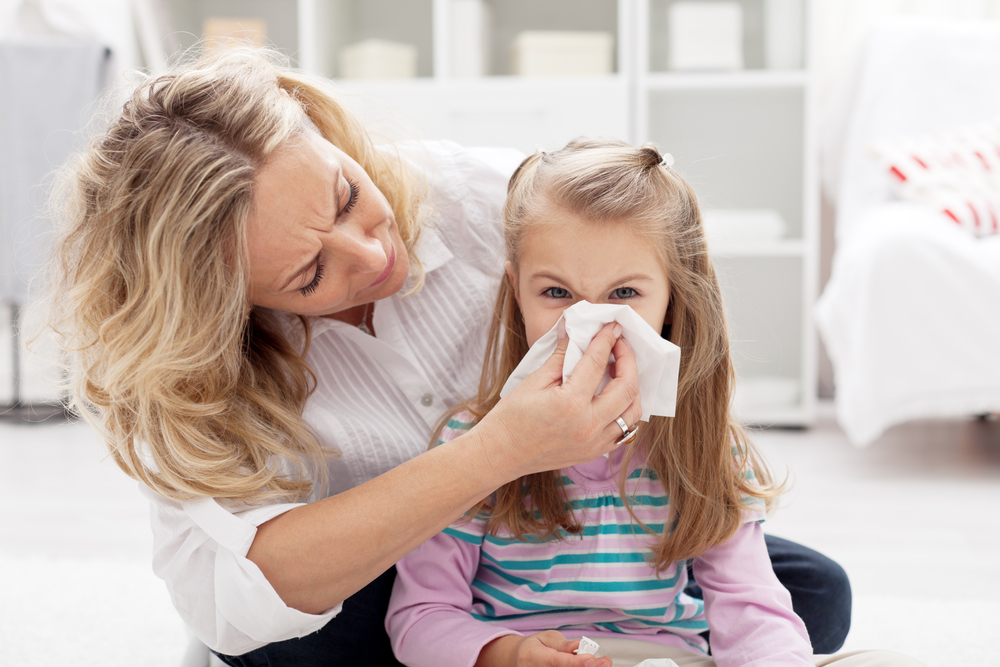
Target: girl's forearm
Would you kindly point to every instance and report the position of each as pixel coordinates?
(319, 554)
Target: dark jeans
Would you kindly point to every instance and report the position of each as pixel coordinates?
(821, 596)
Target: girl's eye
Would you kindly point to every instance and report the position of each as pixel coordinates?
(352, 199)
(314, 283)
(623, 293)
(556, 293)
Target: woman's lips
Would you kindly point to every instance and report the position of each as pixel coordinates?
(388, 267)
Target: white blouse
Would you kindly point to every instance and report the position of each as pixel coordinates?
(376, 402)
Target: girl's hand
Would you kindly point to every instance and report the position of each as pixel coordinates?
(543, 649)
(544, 424)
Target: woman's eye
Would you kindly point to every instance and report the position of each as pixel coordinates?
(556, 293)
(623, 293)
(353, 198)
(314, 283)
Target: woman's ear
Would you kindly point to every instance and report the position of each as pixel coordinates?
(512, 277)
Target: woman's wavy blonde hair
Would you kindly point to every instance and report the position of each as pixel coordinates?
(701, 455)
(196, 392)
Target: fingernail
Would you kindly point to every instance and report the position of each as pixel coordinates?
(591, 663)
(561, 331)
(618, 330)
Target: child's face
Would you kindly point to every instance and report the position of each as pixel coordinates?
(570, 259)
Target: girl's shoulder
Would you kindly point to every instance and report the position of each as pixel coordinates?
(458, 424)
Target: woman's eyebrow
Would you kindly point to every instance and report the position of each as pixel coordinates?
(298, 274)
(338, 193)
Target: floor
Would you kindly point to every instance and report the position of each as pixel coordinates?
(914, 519)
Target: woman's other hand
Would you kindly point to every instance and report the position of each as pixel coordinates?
(543, 649)
(544, 424)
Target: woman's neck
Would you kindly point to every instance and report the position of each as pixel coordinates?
(356, 315)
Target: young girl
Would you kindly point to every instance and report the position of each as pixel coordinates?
(601, 549)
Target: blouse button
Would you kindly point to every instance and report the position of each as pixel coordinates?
(427, 400)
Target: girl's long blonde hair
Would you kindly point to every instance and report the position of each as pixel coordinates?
(196, 392)
(701, 456)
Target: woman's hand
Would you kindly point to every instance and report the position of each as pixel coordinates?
(544, 424)
(543, 649)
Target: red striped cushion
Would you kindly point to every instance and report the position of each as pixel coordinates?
(956, 172)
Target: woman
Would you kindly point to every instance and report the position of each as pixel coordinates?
(229, 236)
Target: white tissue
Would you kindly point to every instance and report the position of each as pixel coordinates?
(657, 662)
(588, 645)
(658, 360)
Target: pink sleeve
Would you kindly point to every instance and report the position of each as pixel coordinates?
(429, 619)
(749, 612)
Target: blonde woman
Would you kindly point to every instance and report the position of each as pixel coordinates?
(267, 316)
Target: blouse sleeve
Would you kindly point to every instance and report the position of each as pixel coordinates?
(199, 550)
(749, 612)
(430, 621)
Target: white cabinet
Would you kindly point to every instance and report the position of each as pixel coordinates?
(743, 138)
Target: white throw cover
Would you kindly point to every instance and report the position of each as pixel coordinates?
(911, 315)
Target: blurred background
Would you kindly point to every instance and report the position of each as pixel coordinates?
(846, 154)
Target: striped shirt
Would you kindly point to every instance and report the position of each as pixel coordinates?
(463, 588)
(598, 579)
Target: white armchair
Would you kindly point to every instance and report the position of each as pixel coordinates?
(911, 314)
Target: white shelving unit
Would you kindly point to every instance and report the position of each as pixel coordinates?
(742, 138)
(495, 110)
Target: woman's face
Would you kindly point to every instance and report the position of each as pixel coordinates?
(322, 237)
(568, 259)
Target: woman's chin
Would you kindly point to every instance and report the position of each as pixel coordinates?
(395, 280)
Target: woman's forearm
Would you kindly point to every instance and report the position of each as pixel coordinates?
(319, 554)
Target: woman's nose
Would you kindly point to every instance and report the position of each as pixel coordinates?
(367, 253)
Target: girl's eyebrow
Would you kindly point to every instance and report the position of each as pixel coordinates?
(631, 278)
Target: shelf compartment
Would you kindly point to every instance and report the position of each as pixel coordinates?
(511, 17)
(764, 303)
(327, 26)
(738, 148)
(280, 16)
(755, 31)
(766, 400)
